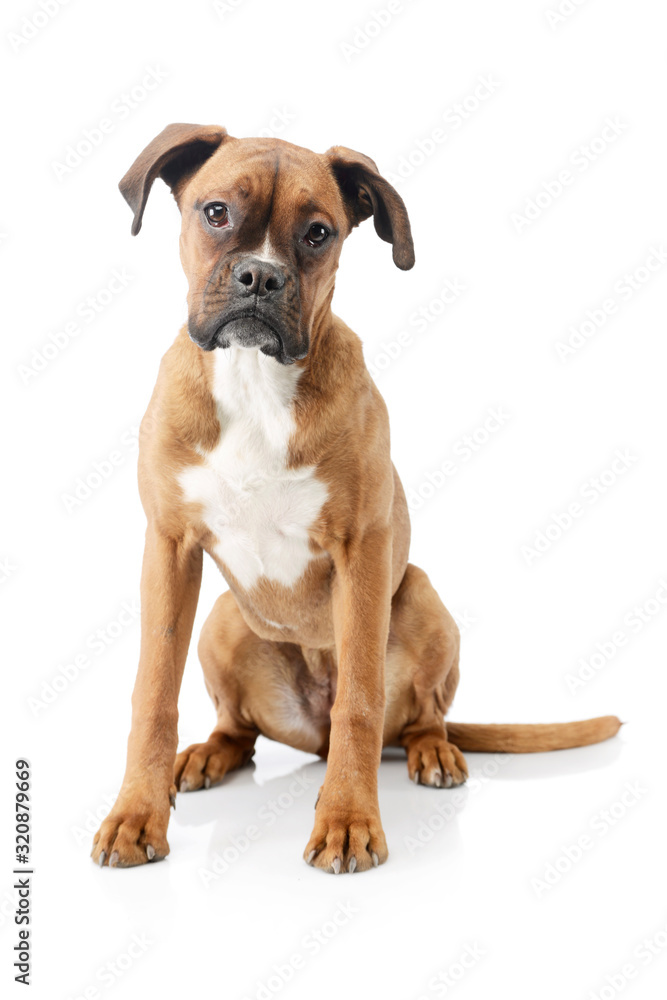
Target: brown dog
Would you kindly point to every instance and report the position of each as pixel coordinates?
(266, 444)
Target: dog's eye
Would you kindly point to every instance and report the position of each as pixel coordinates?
(217, 214)
(316, 235)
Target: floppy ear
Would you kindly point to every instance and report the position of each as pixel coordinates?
(365, 193)
(174, 155)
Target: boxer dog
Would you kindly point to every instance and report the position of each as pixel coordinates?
(266, 445)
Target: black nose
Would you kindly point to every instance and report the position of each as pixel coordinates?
(258, 277)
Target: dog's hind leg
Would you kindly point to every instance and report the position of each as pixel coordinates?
(223, 643)
(422, 674)
(257, 686)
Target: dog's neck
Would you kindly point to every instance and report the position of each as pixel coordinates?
(250, 388)
(306, 402)
(246, 381)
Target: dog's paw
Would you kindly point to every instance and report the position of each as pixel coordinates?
(135, 831)
(432, 760)
(204, 764)
(346, 840)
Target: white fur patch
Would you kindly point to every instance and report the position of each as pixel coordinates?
(266, 251)
(259, 511)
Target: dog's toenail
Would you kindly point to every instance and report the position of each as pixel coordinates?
(416, 778)
(102, 858)
(207, 782)
(449, 781)
(437, 780)
(336, 866)
(184, 786)
(113, 860)
(376, 860)
(172, 799)
(352, 865)
(150, 852)
(310, 857)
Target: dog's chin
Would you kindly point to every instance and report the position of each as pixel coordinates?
(250, 333)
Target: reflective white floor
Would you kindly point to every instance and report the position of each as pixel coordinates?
(540, 878)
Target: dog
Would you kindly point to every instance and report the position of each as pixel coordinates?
(266, 445)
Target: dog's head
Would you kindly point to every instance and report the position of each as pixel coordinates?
(263, 223)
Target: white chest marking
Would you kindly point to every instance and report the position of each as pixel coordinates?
(258, 510)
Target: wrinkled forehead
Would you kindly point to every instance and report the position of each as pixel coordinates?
(269, 176)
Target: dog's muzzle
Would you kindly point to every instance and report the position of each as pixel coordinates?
(252, 317)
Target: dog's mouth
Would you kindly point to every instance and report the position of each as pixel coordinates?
(249, 330)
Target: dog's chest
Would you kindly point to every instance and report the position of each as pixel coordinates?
(258, 511)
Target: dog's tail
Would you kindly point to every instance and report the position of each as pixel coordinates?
(522, 738)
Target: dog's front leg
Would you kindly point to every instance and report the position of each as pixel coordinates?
(135, 831)
(348, 833)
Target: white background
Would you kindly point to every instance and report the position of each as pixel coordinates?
(475, 884)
